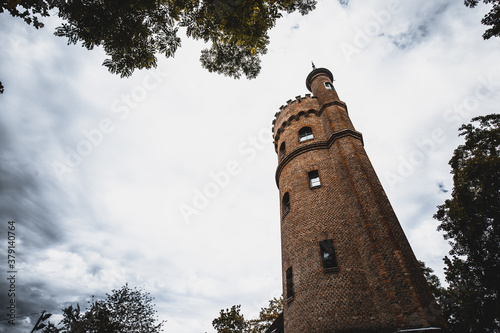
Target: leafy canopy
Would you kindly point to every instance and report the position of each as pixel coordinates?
(133, 32)
(28, 10)
(492, 18)
(125, 310)
(267, 316)
(471, 221)
(231, 321)
(432, 280)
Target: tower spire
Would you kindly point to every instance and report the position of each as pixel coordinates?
(314, 67)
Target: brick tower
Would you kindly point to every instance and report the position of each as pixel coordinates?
(347, 265)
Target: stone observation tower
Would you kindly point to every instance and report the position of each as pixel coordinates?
(347, 265)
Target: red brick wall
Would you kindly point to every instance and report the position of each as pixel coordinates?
(378, 286)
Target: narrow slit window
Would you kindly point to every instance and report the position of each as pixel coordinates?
(286, 203)
(328, 85)
(305, 134)
(289, 283)
(282, 149)
(314, 179)
(328, 255)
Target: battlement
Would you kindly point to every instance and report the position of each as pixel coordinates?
(294, 109)
(297, 99)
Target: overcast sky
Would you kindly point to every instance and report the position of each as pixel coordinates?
(165, 180)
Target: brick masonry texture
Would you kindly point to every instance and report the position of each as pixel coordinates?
(379, 286)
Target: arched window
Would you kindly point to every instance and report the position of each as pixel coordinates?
(305, 134)
(286, 203)
(282, 150)
(328, 85)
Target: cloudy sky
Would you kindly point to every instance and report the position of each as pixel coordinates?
(165, 180)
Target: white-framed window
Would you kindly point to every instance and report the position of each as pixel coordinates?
(305, 134)
(314, 178)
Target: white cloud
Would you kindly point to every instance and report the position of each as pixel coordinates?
(115, 217)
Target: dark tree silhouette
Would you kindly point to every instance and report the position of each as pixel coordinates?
(125, 310)
(29, 10)
(133, 32)
(471, 221)
(267, 316)
(230, 321)
(492, 18)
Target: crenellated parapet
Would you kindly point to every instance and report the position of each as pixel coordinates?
(294, 110)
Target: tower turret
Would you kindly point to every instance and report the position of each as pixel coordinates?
(320, 83)
(347, 265)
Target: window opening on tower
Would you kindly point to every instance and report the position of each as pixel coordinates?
(289, 284)
(328, 85)
(282, 150)
(305, 134)
(314, 179)
(286, 203)
(328, 255)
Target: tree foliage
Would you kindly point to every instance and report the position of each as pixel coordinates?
(492, 18)
(125, 310)
(267, 316)
(231, 321)
(433, 282)
(471, 221)
(29, 10)
(40, 322)
(133, 32)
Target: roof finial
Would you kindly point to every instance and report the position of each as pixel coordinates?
(314, 67)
